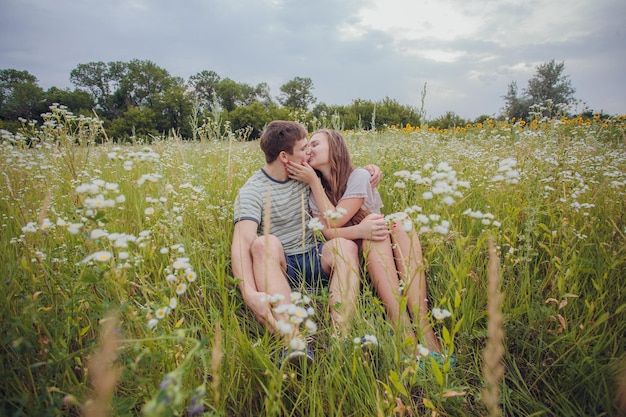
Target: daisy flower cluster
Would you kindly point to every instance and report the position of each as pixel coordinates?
(153, 178)
(130, 158)
(296, 321)
(315, 225)
(440, 313)
(74, 228)
(618, 178)
(172, 210)
(365, 341)
(422, 351)
(60, 123)
(333, 215)
(442, 182)
(442, 185)
(486, 219)
(412, 216)
(507, 172)
(179, 274)
(118, 242)
(95, 197)
(580, 187)
(98, 195)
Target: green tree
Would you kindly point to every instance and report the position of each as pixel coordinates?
(296, 94)
(262, 92)
(204, 86)
(248, 94)
(550, 83)
(134, 122)
(389, 112)
(143, 82)
(329, 116)
(173, 111)
(77, 101)
(359, 114)
(515, 106)
(230, 94)
(450, 120)
(254, 115)
(101, 81)
(20, 96)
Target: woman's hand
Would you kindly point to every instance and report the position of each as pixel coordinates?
(373, 228)
(301, 172)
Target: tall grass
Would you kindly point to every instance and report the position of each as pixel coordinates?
(100, 234)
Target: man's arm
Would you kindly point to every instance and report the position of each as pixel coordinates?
(244, 235)
(376, 174)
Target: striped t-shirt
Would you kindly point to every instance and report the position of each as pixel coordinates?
(289, 210)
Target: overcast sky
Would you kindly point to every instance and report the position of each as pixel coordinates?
(467, 51)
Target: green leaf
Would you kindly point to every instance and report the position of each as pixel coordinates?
(428, 403)
(446, 335)
(457, 300)
(84, 330)
(457, 326)
(436, 371)
(393, 377)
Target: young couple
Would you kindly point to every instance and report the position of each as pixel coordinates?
(274, 251)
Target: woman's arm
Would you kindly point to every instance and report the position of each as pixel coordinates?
(305, 173)
(372, 227)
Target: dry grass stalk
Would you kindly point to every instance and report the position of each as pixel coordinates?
(216, 360)
(106, 138)
(493, 369)
(44, 208)
(103, 375)
(14, 198)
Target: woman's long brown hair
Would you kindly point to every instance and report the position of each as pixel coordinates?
(340, 169)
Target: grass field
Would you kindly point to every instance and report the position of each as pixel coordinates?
(118, 291)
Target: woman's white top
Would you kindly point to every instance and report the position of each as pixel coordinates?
(358, 186)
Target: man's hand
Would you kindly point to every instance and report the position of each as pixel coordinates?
(375, 173)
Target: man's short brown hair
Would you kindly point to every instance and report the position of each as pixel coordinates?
(281, 135)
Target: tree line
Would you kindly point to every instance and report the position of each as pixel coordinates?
(139, 98)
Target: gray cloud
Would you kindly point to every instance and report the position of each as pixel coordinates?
(275, 40)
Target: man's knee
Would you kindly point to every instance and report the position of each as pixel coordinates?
(265, 246)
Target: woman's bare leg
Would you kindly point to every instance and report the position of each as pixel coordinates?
(341, 257)
(382, 271)
(409, 261)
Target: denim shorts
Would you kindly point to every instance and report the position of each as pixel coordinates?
(305, 269)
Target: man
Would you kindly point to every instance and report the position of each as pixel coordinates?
(273, 250)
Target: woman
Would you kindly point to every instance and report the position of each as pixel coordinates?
(392, 255)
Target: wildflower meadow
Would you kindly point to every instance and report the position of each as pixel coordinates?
(119, 298)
